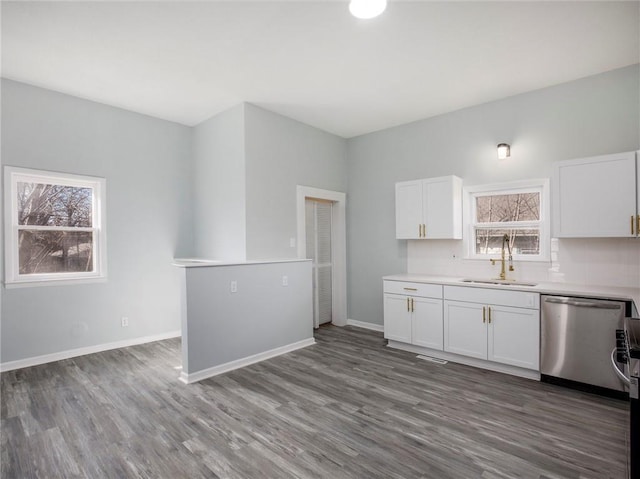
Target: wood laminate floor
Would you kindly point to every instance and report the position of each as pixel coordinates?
(347, 407)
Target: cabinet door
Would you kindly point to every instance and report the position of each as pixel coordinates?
(426, 323)
(397, 318)
(594, 197)
(465, 332)
(442, 207)
(409, 209)
(514, 336)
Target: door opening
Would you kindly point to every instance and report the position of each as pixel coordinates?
(328, 211)
(318, 248)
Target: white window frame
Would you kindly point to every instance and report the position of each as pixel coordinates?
(13, 278)
(527, 186)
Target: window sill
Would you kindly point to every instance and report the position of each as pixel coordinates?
(54, 282)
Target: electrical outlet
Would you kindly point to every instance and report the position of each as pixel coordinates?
(292, 242)
(234, 286)
(285, 281)
(124, 321)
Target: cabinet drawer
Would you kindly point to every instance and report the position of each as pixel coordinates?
(516, 299)
(413, 289)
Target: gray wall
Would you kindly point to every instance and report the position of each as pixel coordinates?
(147, 164)
(261, 316)
(591, 116)
(219, 186)
(280, 154)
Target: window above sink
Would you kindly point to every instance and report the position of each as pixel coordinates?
(519, 210)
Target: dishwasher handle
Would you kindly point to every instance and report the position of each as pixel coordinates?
(582, 304)
(615, 367)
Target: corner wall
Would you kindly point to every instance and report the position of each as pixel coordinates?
(219, 205)
(282, 153)
(147, 164)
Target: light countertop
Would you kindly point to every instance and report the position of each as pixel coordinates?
(542, 287)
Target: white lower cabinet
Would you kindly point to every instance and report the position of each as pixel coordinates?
(397, 318)
(464, 331)
(413, 313)
(496, 325)
(426, 323)
(514, 337)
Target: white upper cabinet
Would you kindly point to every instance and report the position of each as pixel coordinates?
(409, 209)
(429, 208)
(596, 197)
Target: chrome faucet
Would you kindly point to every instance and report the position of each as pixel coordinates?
(503, 272)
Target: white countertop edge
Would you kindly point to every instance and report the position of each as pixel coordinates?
(542, 287)
(206, 263)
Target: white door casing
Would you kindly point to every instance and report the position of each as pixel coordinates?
(338, 244)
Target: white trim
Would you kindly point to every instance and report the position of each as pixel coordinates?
(456, 358)
(73, 353)
(54, 282)
(189, 378)
(544, 225)
(338, 244)
(365, 325)
(12, 277)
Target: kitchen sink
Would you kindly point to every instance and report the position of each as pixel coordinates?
(500, 282)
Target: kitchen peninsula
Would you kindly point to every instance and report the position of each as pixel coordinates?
(238, 313)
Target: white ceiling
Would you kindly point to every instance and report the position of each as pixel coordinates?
(312, 61)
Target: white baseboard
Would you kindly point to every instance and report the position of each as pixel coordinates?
(365, 325)
(73, 353)
(189, 378)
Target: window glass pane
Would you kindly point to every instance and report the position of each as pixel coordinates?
(522, 241)
(55, 251)
(54, 205)
(500, 208)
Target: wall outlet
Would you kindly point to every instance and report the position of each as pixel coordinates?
(124, 321)
(285, 281)
(234, 286)
(292, 242)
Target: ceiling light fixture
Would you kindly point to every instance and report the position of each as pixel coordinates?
(504, 151)
(367, 8)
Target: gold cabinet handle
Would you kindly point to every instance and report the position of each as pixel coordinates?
(419, 231)
(489, 309)
(412, 305)
(410, 289)
(424, 231)
(638, 225)
(484, 314)
(632, 223)
(408, 310)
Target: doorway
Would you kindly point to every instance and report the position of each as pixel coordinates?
(318, 247)
(322, 238)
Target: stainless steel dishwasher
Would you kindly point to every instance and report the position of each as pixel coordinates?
(577, 336)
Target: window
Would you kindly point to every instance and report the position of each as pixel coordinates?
(54, 227)
(513, 212)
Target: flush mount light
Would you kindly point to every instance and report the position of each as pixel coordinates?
(504, 151)
(367, 8)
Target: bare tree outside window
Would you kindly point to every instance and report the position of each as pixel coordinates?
(52, 232)
(497, 215)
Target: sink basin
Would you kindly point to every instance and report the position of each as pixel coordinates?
(498, 282)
